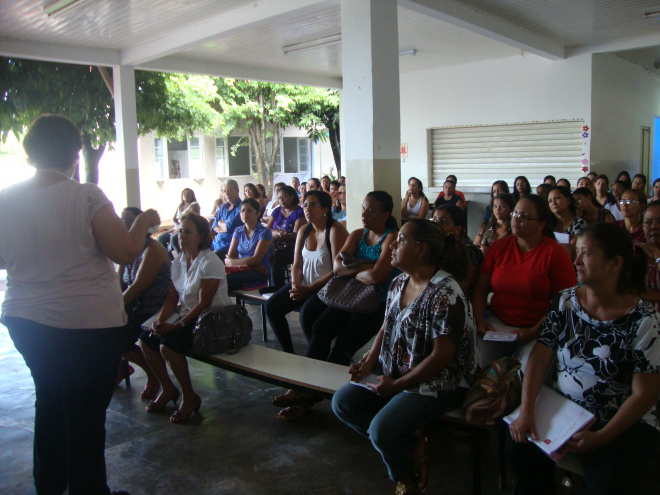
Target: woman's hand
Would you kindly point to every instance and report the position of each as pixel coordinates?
(229, 261)
(525, 335)
(585, 441)
(486, 327)
(300, 292)
(162, 329)
(522, 427)
(385, 386)
(151, 217)
(361, 369)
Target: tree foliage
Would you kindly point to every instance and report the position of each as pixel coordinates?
(173, 105)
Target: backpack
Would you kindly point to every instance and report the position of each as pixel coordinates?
(225, 329)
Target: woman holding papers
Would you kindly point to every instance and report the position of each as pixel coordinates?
(606, 342)
(424, 354)
(198, 283)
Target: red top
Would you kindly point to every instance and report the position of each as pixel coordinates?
(524, 284)
(636, 236)
(457, 193)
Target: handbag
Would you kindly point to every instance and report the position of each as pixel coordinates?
(349, 294)
(225, 329)
(495, 393)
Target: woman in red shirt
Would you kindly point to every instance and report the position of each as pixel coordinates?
(524, 272)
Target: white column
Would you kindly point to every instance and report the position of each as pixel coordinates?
(126, 125)
(370, 109)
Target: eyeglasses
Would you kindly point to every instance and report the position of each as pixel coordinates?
(522, 216)
(402, 240)
(628, 202)
(310, 205)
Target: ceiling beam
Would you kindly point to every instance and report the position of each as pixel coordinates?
(239, 71)
(480, 22)
(646, 41)
(51, 52)
(241, 18)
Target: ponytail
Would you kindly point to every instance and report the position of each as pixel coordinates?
(444, 251)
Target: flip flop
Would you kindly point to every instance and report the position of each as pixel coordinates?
(292, 398)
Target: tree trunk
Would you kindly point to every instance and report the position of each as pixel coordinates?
(92, 158)
(335, 145)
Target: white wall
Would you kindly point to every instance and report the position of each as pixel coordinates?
(625, 98)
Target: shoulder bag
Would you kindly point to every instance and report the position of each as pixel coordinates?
(219, 330)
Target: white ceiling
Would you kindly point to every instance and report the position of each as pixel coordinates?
(246, 38)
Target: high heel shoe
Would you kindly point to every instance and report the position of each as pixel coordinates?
(179, 417)
(155, 406)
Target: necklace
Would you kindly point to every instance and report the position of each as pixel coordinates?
(54, 171)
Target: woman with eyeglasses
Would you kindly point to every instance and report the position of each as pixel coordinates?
(524, 272)
(424, 356)
(145, 282)
(632, 204)
(651, 250)
(250, 247)
(499, 225)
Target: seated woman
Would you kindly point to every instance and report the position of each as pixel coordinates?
(348, 329)
(586, 182)
(656, 190)
(273, 203)
(589, 209)
(414, 204)
(334, 195)
(633, 203)
(452, 220)
(170, 240)
(566, 225)
(426, 348)
(603, 195)
(499, 225)
(341, 196)
(251, 191)
(498, 187)
(449, 196)
(313, 184)
(198, 283)
(217, 203)
(521, 188)
(625, 178)
(325, 184)
(564, 183)
(145, 282)
(285, 222)
(250, 247)
(317, 244)
(651, 249)
(524, 272)
(606, 342)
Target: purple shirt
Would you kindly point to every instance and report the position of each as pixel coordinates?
(286, 224)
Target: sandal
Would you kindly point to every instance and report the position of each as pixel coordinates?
(292, 398)
(150, 391)
(179, 417)
(294, 412)
(155, 405)
(421, 462)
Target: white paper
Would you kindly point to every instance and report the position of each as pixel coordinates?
(373, 379)
(562, 238)
(557, 420)
(501, 336)
(147, 324)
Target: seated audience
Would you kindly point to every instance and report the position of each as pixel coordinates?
(227, 219)
(605, 342)
(449, 196)
(170, 240)
(633, 203)
(603, 195)
(550, 180)
(652, 251)
(251, 191)
(414, 204)
(250, 247)
(313, 184)
(521, 187)
(317, 245)
(452, 220)
(498, 187)
(273, 203)
(285, 222)
(424, 354)
(145, 282)
(334, 195)
(542, 190)
(566, 221)
(325, 184)
(625, 178)
(499, 226)
(639, 182)
(198, 283)
(303, 188)
(340, 216)
(589, 209)
(350, 330)
(564, 183)
(656, 190)
(295, 184)
(453, 179)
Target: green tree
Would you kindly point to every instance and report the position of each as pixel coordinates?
(173, 105)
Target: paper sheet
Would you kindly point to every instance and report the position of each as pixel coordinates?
(147, 324)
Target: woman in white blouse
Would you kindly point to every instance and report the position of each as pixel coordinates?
(198, 283)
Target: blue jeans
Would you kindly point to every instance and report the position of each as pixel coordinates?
(390, 423)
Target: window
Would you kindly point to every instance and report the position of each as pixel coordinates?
(480, 155)
(220, 158)
(159, 157)
(296, 154)
(277, 166)
(239, 163)
(186, 159)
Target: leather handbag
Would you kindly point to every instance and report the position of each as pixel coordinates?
(222, 330)
(349, 294)
(495, 393)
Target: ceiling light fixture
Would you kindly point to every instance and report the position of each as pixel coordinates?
(408, 53)
(52, 7)
(333, 39)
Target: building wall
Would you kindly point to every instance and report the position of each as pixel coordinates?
(625, 98)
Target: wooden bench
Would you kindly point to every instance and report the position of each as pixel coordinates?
(324, 379)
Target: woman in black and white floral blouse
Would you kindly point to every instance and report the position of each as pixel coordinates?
(426, 349)
(606, 341)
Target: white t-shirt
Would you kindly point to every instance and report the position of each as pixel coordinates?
(56, 274)
(188, 282)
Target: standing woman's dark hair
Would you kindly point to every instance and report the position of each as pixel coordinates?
(421, 186)
(615, 241)
(624, 177)
(52, 141)
(448, 253)
(386, 203)
(527, 188)
(543, 213)
(203, 228)
(291, 192)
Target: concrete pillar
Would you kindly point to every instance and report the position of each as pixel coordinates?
(370, 109)
(126, 125)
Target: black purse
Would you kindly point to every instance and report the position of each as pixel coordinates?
(222, 330)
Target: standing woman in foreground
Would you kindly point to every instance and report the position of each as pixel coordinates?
(63, 306)
(606, 341)
(426, 349)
